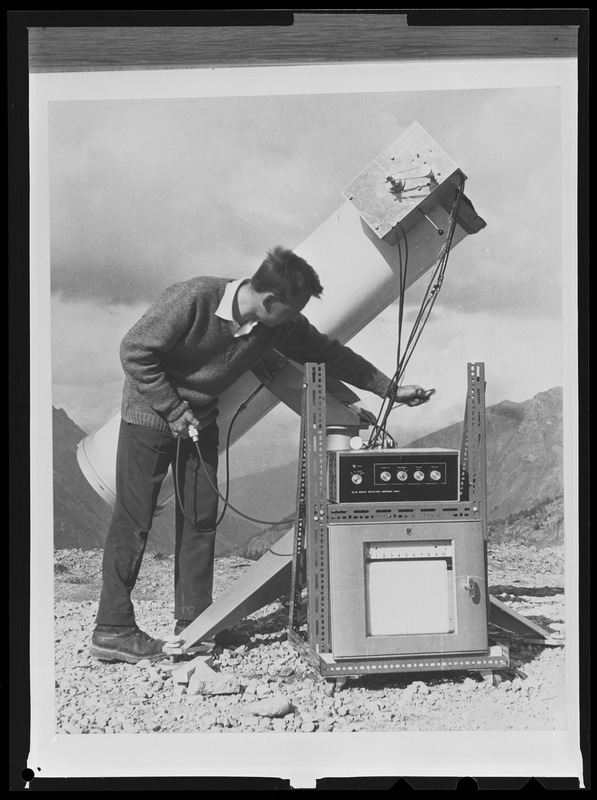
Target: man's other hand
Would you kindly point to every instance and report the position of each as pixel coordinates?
(413, 395)
(180, 427)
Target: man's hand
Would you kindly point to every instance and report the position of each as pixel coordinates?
(413, 395)
(180, 427)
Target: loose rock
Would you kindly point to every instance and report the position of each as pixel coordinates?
(275, 706)
(214, 686)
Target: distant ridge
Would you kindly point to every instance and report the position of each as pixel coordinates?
(524, 452)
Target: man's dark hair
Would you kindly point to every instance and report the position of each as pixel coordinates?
(286, 275)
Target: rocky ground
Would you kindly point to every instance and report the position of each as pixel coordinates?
(265, 686)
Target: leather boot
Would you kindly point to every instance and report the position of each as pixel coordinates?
(125, 643)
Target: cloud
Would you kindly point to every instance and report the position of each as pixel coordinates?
(144, 193)
(96, 331)
(86, 373)
(508, 144)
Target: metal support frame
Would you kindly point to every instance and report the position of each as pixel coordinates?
(311, 519)
(315, 513)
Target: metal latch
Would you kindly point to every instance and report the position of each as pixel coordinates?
(472, 587)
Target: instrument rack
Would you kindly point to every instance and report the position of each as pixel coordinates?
(310, 566)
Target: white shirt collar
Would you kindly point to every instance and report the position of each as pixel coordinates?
(224, 310)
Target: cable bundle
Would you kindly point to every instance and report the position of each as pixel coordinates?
(379, 436)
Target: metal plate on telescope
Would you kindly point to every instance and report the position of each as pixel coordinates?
(411, 171)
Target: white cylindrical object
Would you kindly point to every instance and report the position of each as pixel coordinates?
(340, 438)
(96, 455)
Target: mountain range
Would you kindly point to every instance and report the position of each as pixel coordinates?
(524, 466)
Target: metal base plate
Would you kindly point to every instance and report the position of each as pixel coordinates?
(496, 658)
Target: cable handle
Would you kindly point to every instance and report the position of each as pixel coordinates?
(193, 433)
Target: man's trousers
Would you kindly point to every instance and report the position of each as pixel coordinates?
(143, 458)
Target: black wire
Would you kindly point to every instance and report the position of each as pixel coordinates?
(431, 293)
(380, 428)
(227, 461)
(434, 285)
(403, 269)
(236, 511)
(225, 499)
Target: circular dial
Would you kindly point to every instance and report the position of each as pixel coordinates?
(418, 475)
(402, 475)
(385, 476)
(435, 475)
(356, 478)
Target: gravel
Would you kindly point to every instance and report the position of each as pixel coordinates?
(261, 684)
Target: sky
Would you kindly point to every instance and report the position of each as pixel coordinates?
(146, 191)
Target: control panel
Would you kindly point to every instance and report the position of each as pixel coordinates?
(393, 475)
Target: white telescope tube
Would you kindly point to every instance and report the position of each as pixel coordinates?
(359, 270)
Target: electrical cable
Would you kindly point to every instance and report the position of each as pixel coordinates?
(236, 510)
(227, 461)
(434, 285)
(379, 432)
(380, 429)
(225, 499)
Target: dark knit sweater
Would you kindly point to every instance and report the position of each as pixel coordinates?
(180, 355)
